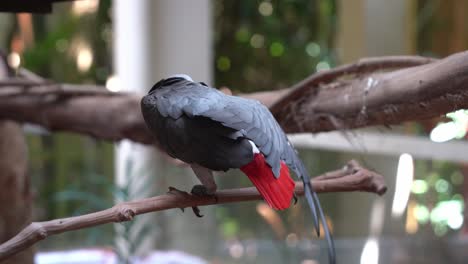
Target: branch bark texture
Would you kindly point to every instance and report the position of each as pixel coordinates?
(86, 110)
(351, 177)
(378, 98)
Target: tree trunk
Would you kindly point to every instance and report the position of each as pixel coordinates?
(15, 198)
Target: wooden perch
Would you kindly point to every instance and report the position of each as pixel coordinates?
(351, 177)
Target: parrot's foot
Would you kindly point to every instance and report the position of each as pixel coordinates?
(201, 190)
(195, 209)
(173, 190)
(295, 198)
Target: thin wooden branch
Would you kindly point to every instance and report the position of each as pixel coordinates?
(351, 177)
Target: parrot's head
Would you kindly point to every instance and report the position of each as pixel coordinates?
(171, 80)
(181, 75)
(174, 80)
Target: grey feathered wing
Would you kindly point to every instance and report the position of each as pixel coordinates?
(252, 119)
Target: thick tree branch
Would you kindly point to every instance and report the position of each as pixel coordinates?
(355, 70)
(115, 116)
(87, 110)
(350, 178)
(356, 95)
(414, 93)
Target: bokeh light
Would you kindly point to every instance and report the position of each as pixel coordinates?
(236, 250)
(84, 58)
(421, 213)
(257, 41)
(276, 49)
(84, 6)
(223, 63)
(14, 60)
(312, 49)
(442, 186)
(112, 84)
(419, 187)
(322, 66)
(265, 8)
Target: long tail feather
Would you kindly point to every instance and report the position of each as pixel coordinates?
(314, 204)
(328, 235)
(310, 200)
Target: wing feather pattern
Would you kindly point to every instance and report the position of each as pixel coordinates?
(250, 117)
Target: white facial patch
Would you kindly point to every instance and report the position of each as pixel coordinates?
(181, 75)
(255, 150)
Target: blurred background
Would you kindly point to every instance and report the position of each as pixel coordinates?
(247, 46)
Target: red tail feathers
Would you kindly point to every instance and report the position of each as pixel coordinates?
(277, 192)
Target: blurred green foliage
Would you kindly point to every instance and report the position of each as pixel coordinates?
(56, 39)
(439, 183)
(266, 45)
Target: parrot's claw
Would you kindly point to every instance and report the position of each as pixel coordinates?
(295, 198)
(174, 190)
(196, 211)
(198, 190)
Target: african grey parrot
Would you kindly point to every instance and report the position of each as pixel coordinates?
(213, 131)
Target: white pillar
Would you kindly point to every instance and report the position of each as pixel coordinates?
(182, 39)
(181, 42)
(152, 40)
(375, 28)
(132, 68)
(390, 27)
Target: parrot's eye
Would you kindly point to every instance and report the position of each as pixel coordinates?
(204, 84)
